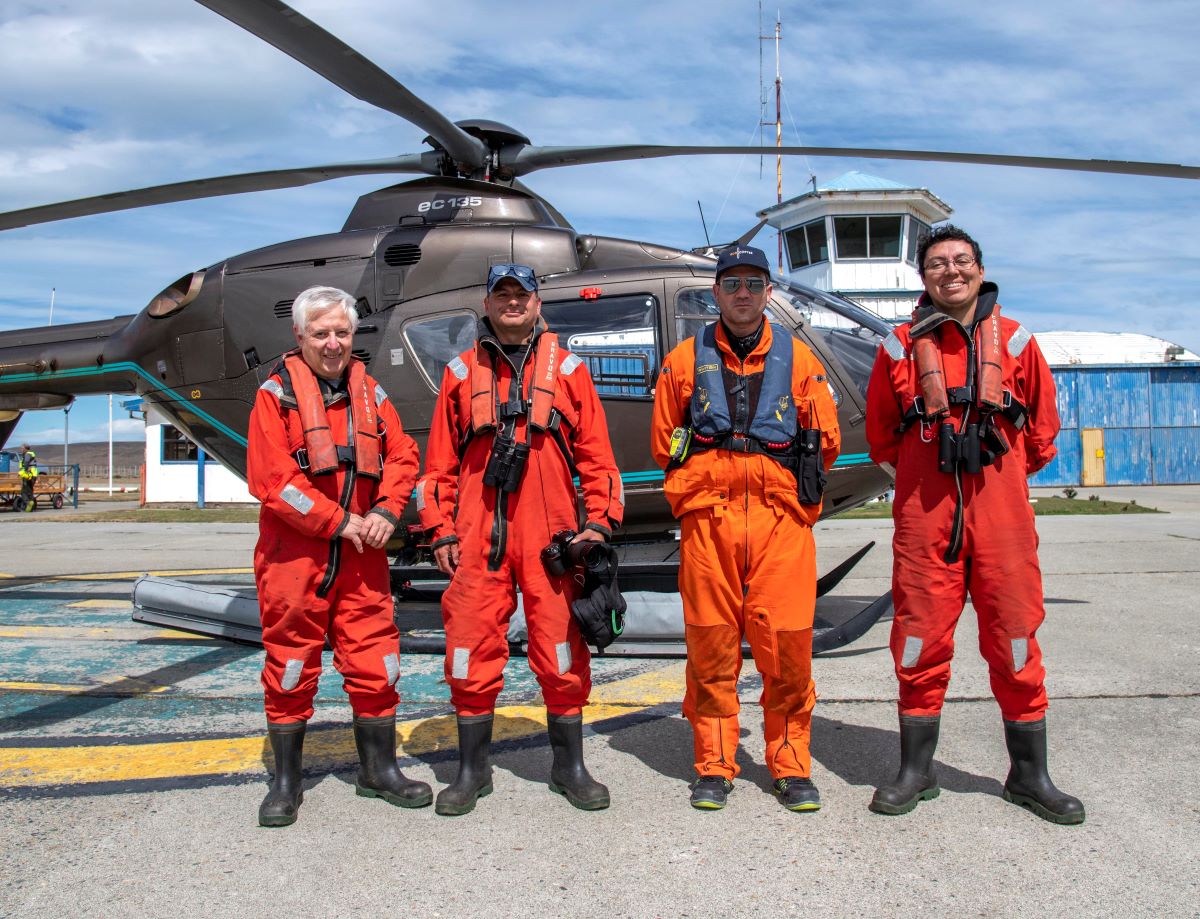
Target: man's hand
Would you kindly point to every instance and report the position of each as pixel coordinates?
(588, 536)
(446, 557)
(354, 530)
(377, 530)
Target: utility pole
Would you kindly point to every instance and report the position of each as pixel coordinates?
(778, 122)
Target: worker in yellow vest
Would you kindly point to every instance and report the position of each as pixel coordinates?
(28, 471)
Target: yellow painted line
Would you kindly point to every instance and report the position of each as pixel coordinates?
(33, 767)
(121, 686)
(93, 633)
(4, 574)
(125, 575)
(99, 604)
(19, 686)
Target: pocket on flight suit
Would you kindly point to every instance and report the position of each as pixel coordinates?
(763, 643)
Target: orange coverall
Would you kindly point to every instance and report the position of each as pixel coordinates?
(299, 544)
(501, 535)
(747, 565)
(998, 563)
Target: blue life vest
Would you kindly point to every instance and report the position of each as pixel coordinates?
(774, 423)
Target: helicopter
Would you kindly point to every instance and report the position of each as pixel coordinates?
(415, 256)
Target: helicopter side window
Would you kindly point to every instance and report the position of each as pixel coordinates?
(695, 307)
(616, 336)
(437, 340)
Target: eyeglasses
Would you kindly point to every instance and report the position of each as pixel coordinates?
(754, 285)
(938, 265)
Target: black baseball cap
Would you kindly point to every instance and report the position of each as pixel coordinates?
(522, 274)
(735, 256)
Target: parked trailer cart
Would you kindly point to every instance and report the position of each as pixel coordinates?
(50, 488)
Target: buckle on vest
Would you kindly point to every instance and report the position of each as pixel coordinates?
(301, 456)
(960, 395)
(739, 442)
(513, 409)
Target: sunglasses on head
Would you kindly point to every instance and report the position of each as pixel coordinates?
(522, 273)
(754, 285)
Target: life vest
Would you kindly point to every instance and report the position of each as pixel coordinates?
(320, 455)
(986, 390)
(487, 411)
(27, 466)
(773, 427)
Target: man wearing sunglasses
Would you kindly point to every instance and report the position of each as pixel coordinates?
(745, 427)
(961, 409)
(516, 418)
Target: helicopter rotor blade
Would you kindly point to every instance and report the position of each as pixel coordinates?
(305, 41)
(215, 187)
(528, 159)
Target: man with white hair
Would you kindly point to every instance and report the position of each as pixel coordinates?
(333, 468)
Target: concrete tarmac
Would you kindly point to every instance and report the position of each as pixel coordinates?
(131, 789)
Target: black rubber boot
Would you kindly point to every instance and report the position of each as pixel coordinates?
(378, 774)
(1028, 781)
(916, 781)
(474, 779)
(568, 775)
(282, 803)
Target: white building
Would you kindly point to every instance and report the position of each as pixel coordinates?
(172, 474)
(857, 235)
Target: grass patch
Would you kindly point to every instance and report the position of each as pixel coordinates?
(1044, 507)
(155, 515)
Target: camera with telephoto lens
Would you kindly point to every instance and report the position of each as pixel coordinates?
(505, 464)
(562, 555)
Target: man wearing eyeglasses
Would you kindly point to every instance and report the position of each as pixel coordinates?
(516, 418)
(745, 427)
(961, 408)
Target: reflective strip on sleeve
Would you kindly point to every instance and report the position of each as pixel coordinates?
(419, 495)
(391, 664)
(458, 368)
(380, 395)
(460, 663)
(912, 651)
(892, 346)
(570, 362)
(291, 675)
(563, 650)
(273, 386)
(889, 469)
(299, 501)
(1020, 653)
(1019, 340)
(620, 491)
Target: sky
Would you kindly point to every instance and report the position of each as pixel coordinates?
(105, 97)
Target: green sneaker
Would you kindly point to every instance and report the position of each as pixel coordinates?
(797, 794)
(709, 792)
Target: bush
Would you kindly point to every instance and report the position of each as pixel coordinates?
(1070, 492)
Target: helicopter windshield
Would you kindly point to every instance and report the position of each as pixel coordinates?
(851, 332)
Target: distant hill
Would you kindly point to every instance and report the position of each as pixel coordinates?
(128, 455)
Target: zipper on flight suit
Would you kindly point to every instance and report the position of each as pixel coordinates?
(500, 516)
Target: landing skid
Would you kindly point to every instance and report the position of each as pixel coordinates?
(654, 623)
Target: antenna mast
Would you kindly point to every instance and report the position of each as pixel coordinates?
(778, 116)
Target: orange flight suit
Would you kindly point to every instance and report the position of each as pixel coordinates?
(312, 583)
(501, 535)
(747, 564)
(997, 564)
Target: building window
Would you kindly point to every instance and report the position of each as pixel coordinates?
(176, 448)
(868, 237)
(617, 337)
(807, 244)
(917, 231)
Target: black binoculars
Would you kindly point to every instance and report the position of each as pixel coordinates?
(562, 555)
(972, 448)
(506, 464)
(810, 471)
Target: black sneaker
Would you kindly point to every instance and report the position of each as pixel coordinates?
(797, 794)
(709, 792)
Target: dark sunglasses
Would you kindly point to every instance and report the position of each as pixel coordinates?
(754, 285)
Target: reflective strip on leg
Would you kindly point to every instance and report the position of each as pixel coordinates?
(291, 675)
(912, 651)
(460, 663)
(391, 663)
(563, 650)
(1020, 653)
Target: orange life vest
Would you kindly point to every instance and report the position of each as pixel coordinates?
(319, 445)
(485, 399)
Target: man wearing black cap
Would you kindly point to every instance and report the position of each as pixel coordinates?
(745, 427)
(517, 417)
